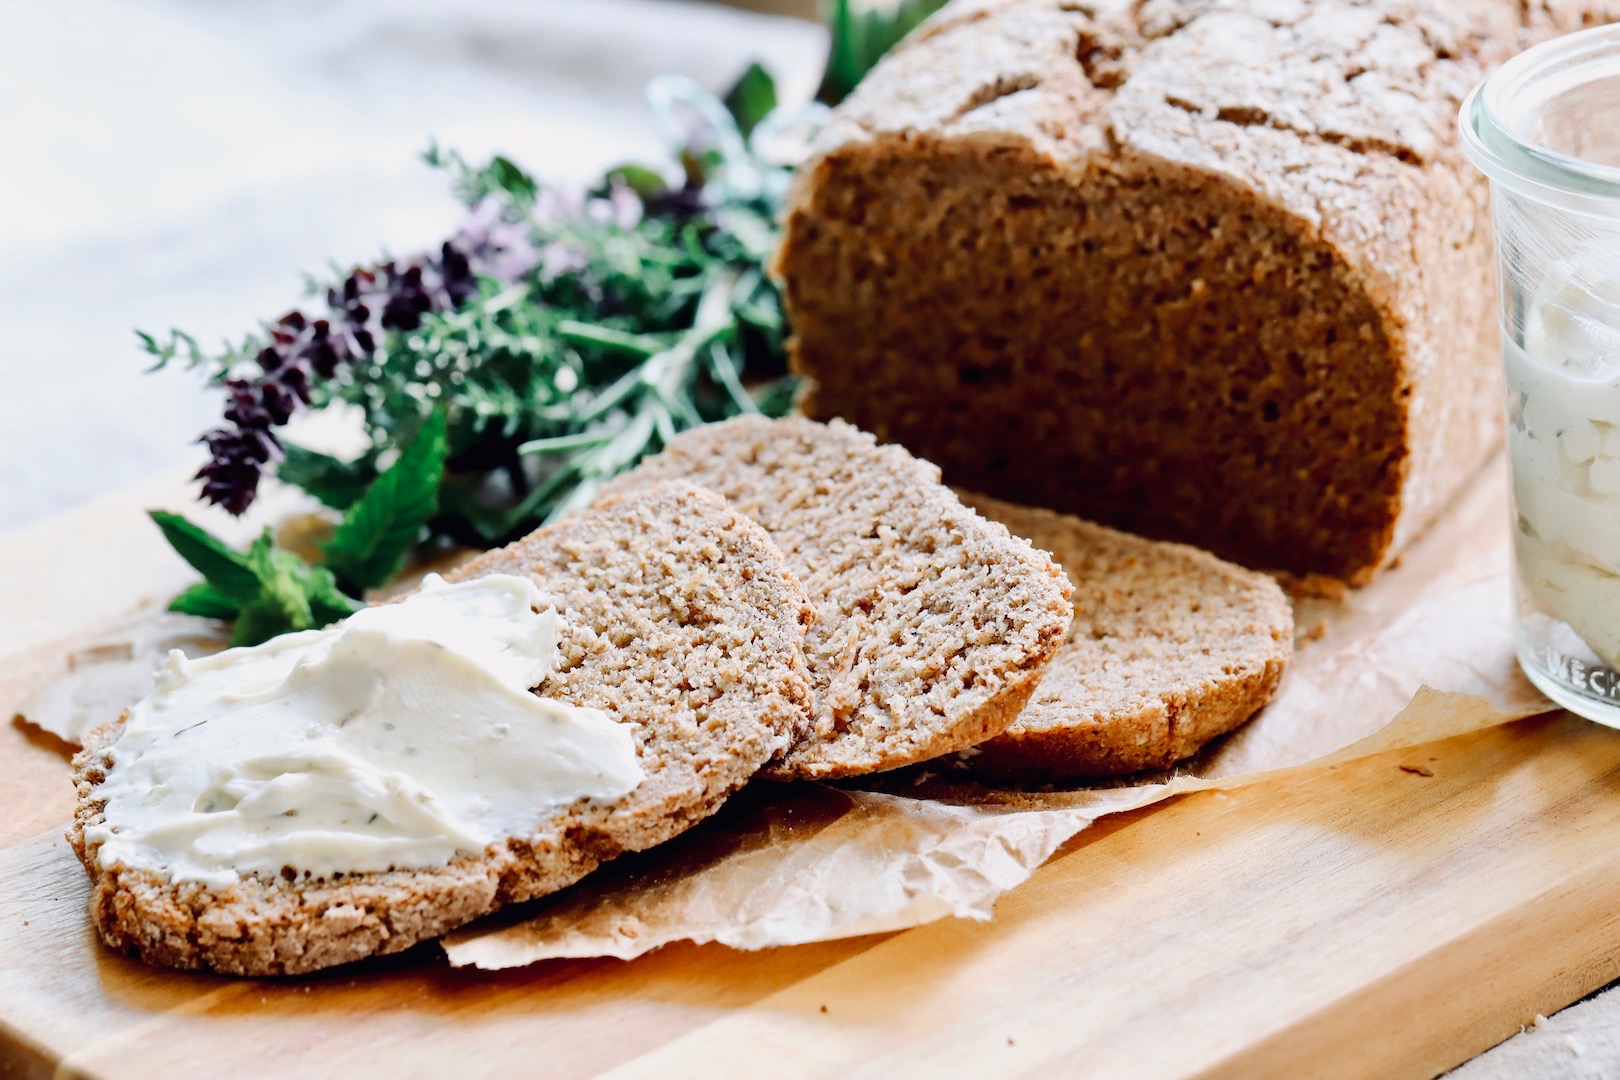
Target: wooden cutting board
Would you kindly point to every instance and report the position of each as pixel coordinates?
(1413, 910)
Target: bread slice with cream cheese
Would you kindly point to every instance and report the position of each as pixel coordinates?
(680, 619)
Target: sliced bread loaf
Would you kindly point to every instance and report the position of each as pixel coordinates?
(679, 619)
(932, 624)
(1210, 269)
(1169, 648)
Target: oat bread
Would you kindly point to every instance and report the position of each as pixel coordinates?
(1169, 648)
(680, 619)
(1214, 270)
(932, 624)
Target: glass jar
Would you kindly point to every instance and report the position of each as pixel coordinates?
(1546, 129)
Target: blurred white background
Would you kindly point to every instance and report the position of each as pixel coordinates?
(184, 162)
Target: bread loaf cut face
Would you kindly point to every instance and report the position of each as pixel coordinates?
(1170, 647)
(1212, 271)
(679, 619)
(932, 626)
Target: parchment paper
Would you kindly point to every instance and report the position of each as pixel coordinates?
(1423, 653)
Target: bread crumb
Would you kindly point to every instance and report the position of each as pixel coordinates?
(824, 1008)
(1315, 633)
(1311, 586)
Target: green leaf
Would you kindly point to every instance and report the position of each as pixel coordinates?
(281, 574)
(775, 399)
(229, 572)
(259, 622)
(327, 602)
(204, 600)
(507, 177)
(861, 33)
(335, 482)
(638, 178)
(750, 98)
(369, 545)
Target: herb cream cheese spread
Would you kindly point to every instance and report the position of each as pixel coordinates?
(1564, 438)
(398, 739)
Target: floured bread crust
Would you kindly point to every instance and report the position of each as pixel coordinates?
(680, 618)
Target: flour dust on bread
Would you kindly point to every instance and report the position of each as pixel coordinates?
(932, 626)
(1214, 270)
(679, 619)
(1170, 647)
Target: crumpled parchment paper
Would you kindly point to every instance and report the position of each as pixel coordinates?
(94, 683)
(1424, 653)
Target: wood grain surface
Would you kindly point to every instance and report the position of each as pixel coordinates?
(1385, 922)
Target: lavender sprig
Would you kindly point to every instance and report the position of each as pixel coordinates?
(300, 350)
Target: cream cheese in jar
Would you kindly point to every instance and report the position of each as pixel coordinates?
(1564, 438)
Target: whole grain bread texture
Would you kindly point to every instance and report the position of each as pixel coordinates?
(932, 626)
(1211, 270)
(1169, 648)
(679, 618)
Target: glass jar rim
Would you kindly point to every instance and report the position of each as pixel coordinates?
(1526, 167)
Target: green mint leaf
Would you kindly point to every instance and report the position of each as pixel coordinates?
(229, 572)
(203, 600)
(259, 622)
(327, 602)
(370, 544)
(281, 574)
(336, 483)
(750, 98)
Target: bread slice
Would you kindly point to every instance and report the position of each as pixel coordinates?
(932, 624)
(680, 619)
(1169, 648)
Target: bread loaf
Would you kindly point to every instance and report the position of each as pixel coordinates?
(679, 620)
(1212, 270)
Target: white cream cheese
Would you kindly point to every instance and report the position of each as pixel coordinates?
(400, 738)
(1564, 438)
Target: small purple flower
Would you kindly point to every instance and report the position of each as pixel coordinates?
(392, 296)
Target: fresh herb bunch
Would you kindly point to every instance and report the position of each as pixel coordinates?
(564, 337)
(549, 344)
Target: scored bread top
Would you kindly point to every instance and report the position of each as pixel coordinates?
(932, 624)
(679, 619)
(1169, 648)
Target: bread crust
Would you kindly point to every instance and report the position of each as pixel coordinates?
(1170, 648)
(933, 624)
(680, 619)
